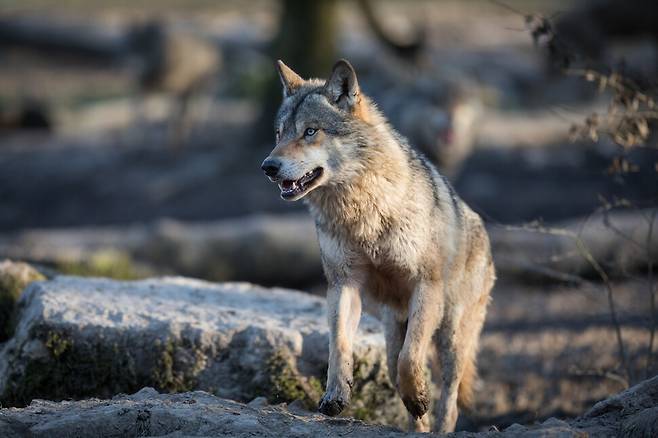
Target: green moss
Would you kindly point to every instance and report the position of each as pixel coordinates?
(286, 384)
(57, 344)
(71, 370)
(316, 385)
(95, 366)
(106, 263)
(163, 373)
(14, 278)
(362, 413)
(166, 376)
(371, 392)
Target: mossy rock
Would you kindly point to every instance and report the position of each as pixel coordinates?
(14, 278)
(371, 395)
(372, 392)
(94, 337)
(75, 366)
(286, 384)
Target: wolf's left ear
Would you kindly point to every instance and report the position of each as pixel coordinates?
(342, 87)
(290, 80)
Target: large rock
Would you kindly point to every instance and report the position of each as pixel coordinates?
(631, 413)
(94, 337)
(147, 413)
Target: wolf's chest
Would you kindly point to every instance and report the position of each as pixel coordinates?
(372, 240)
(389, 251)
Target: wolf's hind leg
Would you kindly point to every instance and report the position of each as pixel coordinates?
(394, 331)
(344, 313)
(425, 310)
(470, 328)
(457, 344)
(451, 356)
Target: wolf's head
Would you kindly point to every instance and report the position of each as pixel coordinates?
(315, 125)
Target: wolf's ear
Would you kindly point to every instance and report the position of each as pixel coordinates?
(342, 87)
(290, 80)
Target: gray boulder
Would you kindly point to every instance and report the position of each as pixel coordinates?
(80, 338)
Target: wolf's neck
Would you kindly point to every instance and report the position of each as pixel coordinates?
(373, 199)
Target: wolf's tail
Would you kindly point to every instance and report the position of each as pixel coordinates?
(467, 383)
(472, 329)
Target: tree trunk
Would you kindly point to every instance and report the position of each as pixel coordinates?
(307, 43)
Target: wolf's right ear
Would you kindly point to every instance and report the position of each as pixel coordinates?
(290, 80)
(342, 87)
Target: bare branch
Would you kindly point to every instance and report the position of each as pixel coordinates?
(600, 374)
(652, 295)
(585, 253)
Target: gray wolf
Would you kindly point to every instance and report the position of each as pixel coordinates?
(439, 116)
(391, 231)
(179, 64)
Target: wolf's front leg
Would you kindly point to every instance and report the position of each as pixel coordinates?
(344, 313)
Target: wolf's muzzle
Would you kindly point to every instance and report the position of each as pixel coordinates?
(271, 167)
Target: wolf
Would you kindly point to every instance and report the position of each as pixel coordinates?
(391, 231)
(439, 116)
(176, 63)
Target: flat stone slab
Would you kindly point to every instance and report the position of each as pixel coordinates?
(81, 337)
(198, 413)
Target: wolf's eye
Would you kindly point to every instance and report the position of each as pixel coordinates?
(310, 132)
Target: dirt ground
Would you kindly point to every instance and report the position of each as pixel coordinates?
(552, 351)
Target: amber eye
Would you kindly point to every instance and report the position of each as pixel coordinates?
(310, 132)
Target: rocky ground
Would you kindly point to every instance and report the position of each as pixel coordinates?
(632, 413)
(551, 351)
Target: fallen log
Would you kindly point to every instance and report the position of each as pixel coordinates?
(282, 249)
(69, 38)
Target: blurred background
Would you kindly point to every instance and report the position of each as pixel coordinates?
(132, 132)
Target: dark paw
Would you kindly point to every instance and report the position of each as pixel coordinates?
(417, 406)
(332, 406)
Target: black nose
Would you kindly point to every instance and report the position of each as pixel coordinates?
(271, 167)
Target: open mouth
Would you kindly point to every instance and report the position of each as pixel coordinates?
(291, 189)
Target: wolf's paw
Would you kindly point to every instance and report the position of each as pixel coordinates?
(332, 407)
(417, 406)
(334, 401)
